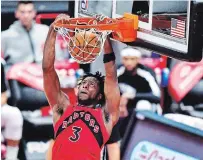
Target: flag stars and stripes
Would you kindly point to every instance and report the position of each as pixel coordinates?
(177, 28)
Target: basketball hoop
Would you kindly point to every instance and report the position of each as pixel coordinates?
(85, 36)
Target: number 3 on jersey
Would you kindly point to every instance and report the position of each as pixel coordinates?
(76, 134)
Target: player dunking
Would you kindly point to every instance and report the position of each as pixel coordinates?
(83, 129)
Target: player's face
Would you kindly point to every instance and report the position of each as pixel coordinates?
(26, 13)
(88, 91)
(130, 62)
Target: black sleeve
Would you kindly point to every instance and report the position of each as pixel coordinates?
(3, 79)
(115, 135)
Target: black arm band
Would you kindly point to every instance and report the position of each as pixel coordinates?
(109, 57)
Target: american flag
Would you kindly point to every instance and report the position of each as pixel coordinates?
(177, 28)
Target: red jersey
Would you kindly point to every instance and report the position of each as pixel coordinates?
(80, 134)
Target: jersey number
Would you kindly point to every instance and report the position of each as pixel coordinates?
(76, 136)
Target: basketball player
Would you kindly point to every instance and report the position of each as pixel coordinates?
(81, 130)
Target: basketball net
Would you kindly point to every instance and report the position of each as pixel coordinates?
(84, 44)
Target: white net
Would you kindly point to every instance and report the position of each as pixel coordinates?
(84, 44)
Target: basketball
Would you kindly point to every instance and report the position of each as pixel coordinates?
(85, 46)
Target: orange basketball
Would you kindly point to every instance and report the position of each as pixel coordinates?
(84, 46)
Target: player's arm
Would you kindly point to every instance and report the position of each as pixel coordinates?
(56, 98)
(111, 88)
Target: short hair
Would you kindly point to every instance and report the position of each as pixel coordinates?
(24, 2)
(100, 78)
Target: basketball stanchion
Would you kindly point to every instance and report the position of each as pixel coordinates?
(85, 36)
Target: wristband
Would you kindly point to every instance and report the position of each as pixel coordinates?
(109, 57)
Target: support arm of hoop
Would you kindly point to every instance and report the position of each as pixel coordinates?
(133, 17)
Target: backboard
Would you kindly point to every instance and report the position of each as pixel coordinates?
(84, 8)
(172, 28)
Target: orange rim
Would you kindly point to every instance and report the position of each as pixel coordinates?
(81, 23)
